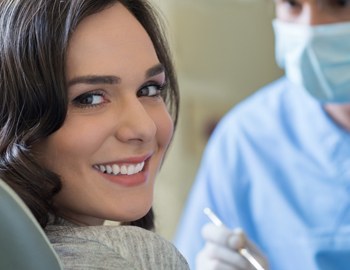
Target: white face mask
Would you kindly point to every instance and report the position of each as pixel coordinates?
(316, 58)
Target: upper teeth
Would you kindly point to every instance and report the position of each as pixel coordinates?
(126, 169)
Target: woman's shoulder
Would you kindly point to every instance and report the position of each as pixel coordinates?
(132, 246)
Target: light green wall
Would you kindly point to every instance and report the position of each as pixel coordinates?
(223, 52)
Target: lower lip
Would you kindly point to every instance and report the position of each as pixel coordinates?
(127, 180)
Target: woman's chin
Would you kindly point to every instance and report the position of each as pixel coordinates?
(133, 214)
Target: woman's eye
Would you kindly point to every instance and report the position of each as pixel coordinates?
(89, 99)
(152, 90)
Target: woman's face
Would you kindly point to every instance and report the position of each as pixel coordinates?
(117, 129)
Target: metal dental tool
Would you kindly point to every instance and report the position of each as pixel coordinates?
(243, 251)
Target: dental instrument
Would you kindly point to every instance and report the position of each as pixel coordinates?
(243, 251)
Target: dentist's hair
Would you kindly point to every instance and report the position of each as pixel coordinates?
(34, 35)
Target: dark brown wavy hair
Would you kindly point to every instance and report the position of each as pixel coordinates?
(34, 35)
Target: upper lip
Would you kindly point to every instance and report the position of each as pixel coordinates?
(129, 160)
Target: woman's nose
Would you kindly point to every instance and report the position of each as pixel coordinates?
(135, 124)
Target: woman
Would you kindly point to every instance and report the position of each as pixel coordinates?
(86, 91)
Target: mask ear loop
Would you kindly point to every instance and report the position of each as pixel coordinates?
(318, 70)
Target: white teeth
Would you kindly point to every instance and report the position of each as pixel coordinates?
(131, 169)
(109, 169)
(125, 169)
(139, 167)
(102, 168)
(116, 169)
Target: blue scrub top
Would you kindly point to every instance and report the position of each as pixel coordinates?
(279, 167)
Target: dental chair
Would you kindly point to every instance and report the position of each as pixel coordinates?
(23, 243)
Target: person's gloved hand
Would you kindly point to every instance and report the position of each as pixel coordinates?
(221, 250)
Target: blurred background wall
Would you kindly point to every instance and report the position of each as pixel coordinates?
(223, 51)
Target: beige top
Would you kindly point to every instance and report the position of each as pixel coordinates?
(112, 247)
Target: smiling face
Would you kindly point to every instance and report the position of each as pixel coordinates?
(117, 129)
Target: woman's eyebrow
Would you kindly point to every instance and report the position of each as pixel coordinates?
(95, 79)
(111, 79)
(155, 70)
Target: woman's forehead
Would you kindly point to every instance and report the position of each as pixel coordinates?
(110, 42)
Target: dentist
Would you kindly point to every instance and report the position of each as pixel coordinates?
(278, 165)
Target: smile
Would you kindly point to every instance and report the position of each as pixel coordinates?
(125, 169)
